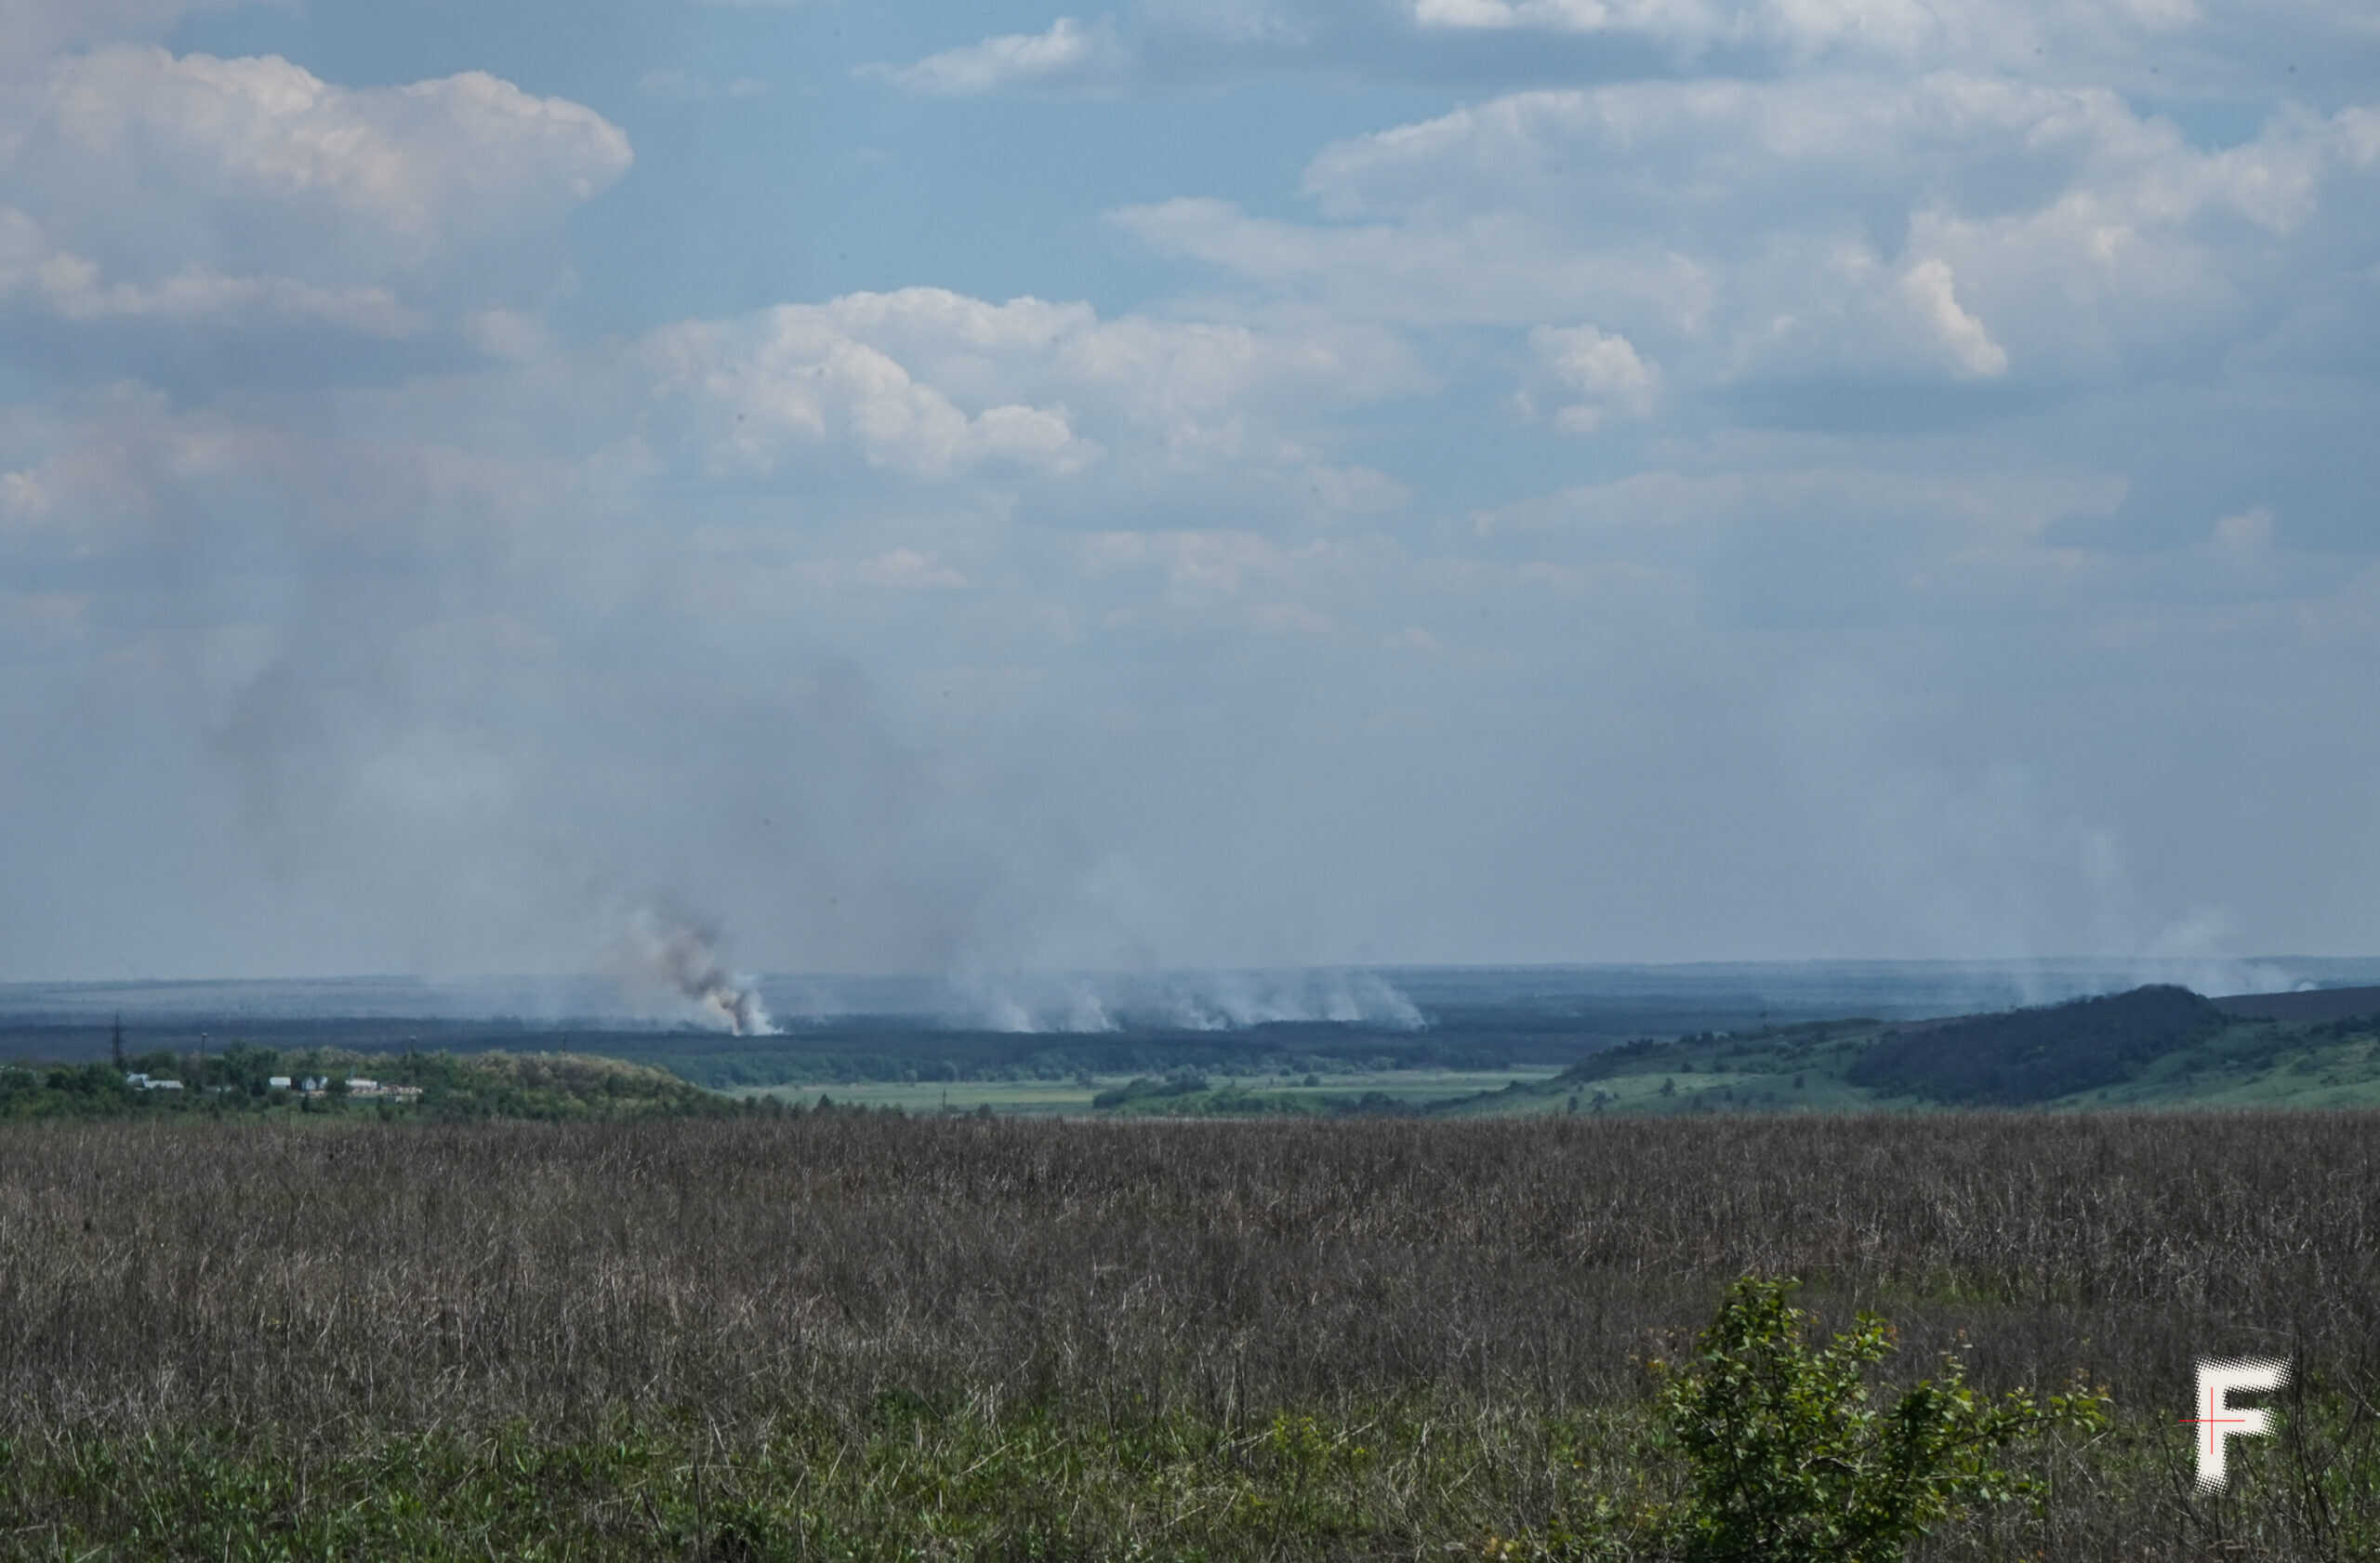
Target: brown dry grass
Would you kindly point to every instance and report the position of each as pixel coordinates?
(328, 1283)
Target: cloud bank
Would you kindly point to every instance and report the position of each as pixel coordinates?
(1643, 481)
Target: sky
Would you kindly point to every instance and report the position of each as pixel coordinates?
(969, 488)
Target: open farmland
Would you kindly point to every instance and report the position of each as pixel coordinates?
(865, 1336)
(1406, 1088)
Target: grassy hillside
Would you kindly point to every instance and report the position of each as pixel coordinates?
(2030, 1056)
(2154, 1047)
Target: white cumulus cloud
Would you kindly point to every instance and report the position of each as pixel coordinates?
(929, 383)
(1949, 226)
(1932, 290)
(1602, 369)
(187, 186)
(1068, 54)
(794, 375)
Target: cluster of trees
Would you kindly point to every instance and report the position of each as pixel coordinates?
(239, 1077)
(239, 1080)
(1147, 1088)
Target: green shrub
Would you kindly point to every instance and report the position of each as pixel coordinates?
(1791, 1460)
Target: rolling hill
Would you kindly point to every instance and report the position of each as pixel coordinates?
(2152, 1046)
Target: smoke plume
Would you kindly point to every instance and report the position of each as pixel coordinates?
(1216, 1000)
(683, 954)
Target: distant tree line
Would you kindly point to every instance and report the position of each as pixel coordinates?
(244, 1079)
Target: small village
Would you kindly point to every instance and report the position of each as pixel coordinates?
(355, 1087)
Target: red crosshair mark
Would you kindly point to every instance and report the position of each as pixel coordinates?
(2209, 1418)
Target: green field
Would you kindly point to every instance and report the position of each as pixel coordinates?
(1073, 1097)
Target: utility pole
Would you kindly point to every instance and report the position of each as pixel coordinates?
(115, 1042)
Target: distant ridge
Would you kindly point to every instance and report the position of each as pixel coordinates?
(2149, 1049)
(2027, 1056)
(2319, 1004)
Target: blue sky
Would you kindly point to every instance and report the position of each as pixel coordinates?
(959, 488)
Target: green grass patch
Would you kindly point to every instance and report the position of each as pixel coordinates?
(1264, 1093)
(905, 1479)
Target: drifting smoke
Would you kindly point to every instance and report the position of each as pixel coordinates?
(685, 955)
(1202, 1001)
(1076, 1007)
(1228, 1001)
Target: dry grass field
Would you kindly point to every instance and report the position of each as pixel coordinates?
(865, 1336)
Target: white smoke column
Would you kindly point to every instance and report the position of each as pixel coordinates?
(1381, 1002)
(1230, 1000)
(1188, 1014)
(1004, 1014)
(1212, 1000)
(684, 954)
(1085, 1012)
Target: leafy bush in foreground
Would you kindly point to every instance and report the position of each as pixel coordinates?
(1793, 1463)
